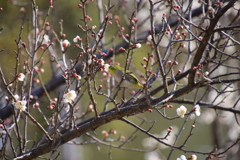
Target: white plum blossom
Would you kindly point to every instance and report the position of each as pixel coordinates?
(20, 77)
(149, 37)
(66, 43)
(36, 105)
(193, 157)
(182, 157)
(104, 73)
(94, 27)
(181, 111)
(76, 39)
(101, 62)
(197, 110)
(16, 97)
(69, 97)
(6, 98)
(78, 77)
(21, 105)
(138, 45)
(106, 66)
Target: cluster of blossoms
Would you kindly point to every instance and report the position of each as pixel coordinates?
(67, 74)
(93, 60)
(69, 97)
(181, 111)
(53, 103)
(197, 111)
(19, 104)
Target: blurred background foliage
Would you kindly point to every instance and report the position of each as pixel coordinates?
(11, 19)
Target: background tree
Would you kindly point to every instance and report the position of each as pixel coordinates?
(57, 93)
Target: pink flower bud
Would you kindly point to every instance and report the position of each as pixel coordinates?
(150, 110)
